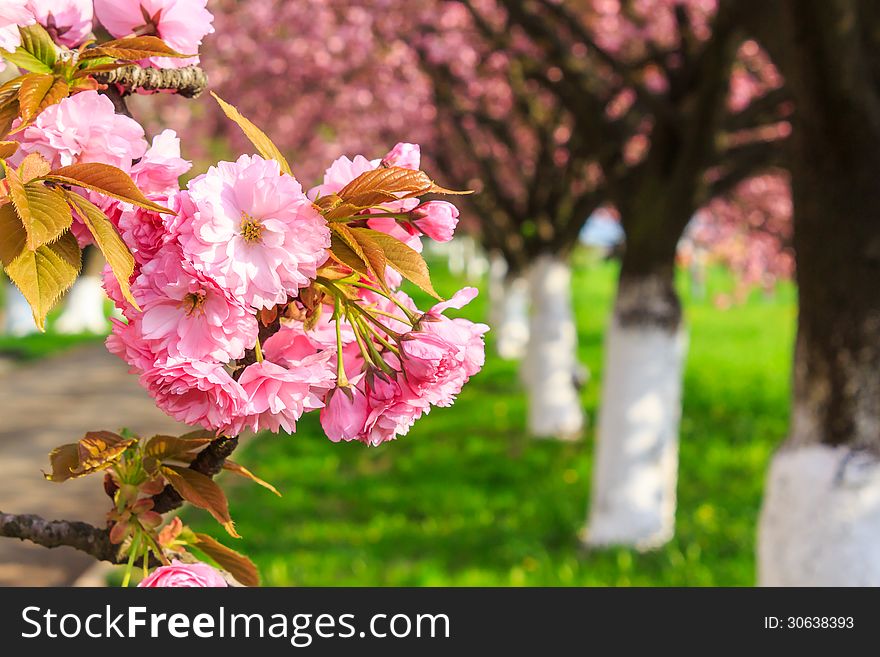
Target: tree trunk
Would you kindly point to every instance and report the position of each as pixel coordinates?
(84, 304)
(551, 362)
(636, 465)
(509, 310)
(820, 522)
(18, 319)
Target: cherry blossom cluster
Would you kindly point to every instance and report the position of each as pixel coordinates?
(182, 24)
(243, 318)
(247, 244)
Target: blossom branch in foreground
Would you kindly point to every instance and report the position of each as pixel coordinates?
(56, 533)
(189, 81)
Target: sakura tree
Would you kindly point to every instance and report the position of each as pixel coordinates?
(678, 108)
(247, 300)
(821, 513)
(656, 108)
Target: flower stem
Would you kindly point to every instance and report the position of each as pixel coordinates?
(132, 555)
(341, 379)
(258, 351)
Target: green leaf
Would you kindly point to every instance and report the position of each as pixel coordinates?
(406, 261)
(37, 92)
(132, 48)
(35, 40)
(237, 565)
(44, 275)
(49, 214)
(258, 138)
(201, 491)
(107, 180)
(26, 61)
(42, 211)
(107, 240)
(239, 469)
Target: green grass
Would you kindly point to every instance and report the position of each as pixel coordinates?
(40, 345)
(467, 499)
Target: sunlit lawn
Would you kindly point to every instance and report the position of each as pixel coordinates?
(467, 499)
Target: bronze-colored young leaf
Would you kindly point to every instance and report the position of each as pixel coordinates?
(8, 149)
(37, 92)
(237, 565)
(33, 166)
(345, 255)
(107, 240)
(15, 189)
(99, 450)
(408, 262)
(172, 447)
(13, 237)
(132, 48)
(35, 40)
(43, 212)
(389, 183)
(373, 252)
(239, 469)
(346, 237)
(64, 460)
(258, 138)
(8, 113)
(201, 491)
(107, 180)
(44, 275)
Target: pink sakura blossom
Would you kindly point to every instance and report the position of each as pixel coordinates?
(278, 396)
(341, 172)
(254, 231)
(182, 24)
(69, 22)
(195, 392)
(83, 128)
(405, 156)
(12, 14)
(394, 408)
(126, 341)
(436, 219)
(184, 575)
(440, 356)
(159, 169)
(187, 315)
(345, 413)
(142, 230)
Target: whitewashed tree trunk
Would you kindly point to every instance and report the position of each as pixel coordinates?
(18, 318)
(554, 403)
(635, 470)
(509, 310)
(820, 522)
(83, 308)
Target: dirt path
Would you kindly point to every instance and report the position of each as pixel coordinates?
(46, 404)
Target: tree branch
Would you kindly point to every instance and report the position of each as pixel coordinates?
(208, 462)
(54, 533)
(189, 81)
